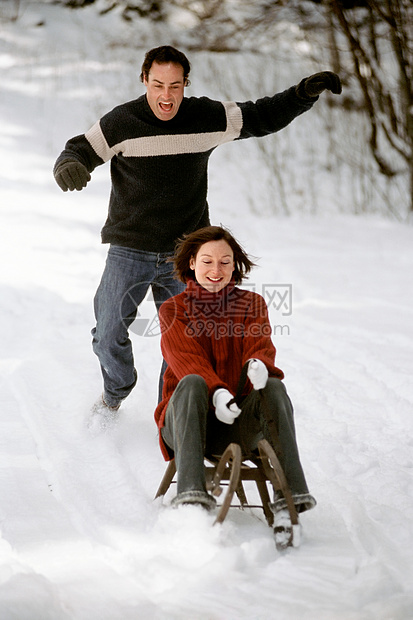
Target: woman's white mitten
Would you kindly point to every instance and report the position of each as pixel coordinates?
(224, 413)
(257, 373)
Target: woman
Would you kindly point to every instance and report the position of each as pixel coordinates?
(209, 332)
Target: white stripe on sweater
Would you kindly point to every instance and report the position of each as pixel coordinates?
(151, 146)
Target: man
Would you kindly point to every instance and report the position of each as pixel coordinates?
(159, 146)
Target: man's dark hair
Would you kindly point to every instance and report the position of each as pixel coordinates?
(162, 55)
(188, 248)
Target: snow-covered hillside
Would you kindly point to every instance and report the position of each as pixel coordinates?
(81, 537)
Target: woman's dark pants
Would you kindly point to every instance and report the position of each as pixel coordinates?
(192, 431)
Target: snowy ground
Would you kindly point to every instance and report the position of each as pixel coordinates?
(81, 536)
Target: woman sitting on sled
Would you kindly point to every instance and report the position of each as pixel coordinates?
(209, 332)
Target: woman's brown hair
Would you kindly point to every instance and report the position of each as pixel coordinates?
(189, 245)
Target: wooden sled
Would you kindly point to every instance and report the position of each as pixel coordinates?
(228, 473)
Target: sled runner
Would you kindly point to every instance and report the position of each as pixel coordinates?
(228, 473)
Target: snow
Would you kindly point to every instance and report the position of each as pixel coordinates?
(81, 536)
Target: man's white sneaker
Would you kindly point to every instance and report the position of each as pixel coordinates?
(102, 416)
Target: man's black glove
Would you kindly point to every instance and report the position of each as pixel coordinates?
(317, 83)
(71, 174)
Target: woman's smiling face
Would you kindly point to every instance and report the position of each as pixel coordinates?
(213, 265)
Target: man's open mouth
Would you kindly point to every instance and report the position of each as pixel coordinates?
(165, 107)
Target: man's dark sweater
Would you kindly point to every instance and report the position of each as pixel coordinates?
(159, 168)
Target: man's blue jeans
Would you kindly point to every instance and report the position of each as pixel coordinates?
(125, 281)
